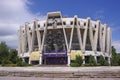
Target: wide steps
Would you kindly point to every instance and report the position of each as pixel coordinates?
(63, 74)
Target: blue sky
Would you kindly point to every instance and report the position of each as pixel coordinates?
(21, 11)
(108, 11)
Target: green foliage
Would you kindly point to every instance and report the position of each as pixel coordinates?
(92, 61)
(74, 64)
(115, 61)
(22, 64)
(113, 51)
(9, 65)
(8, 57)
(13, 56)
(106, 63)
(101, 61)
(97, 64)
(77, 62)
(118, 59)
(4, 53)
(6, 61)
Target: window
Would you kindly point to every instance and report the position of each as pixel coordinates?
(49, 24)
(59, 24)
(75, 23)
(71, 23)
(78, 22)
(64, 23)
(84, 24)
(103, 29)
(44, 24)
(38, 25)
(95, 26)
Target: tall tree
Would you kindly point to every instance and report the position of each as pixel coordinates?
(13, 56)
(115, 61)
(4, 51)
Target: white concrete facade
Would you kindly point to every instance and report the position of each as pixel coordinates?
(93, 37)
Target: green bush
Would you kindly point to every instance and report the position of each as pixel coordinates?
(118, 59)
(22, 64)
(6, 61)
(79, 60)
(89, 65)
(102, 61)
(9, 65)
(115, 60)
(106, 63)
(13, 56)
(92, 61)
(74, 64)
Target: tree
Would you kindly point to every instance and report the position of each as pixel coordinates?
(4, 52)
(118, 59)
(13, 56)
(113, 51)
(115, 57)
(8, 57)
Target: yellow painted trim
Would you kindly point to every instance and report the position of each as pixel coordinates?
(73, 54)
(34, 56)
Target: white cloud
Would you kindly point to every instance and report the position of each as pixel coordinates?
(99, 15)
(14, 13)
(116, 44)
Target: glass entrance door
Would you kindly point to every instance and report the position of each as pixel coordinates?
(56, 60)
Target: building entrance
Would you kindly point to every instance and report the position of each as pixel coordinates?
(54, 50)
(55, 61)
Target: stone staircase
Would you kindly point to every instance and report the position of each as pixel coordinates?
(88, 74)
(50, 65)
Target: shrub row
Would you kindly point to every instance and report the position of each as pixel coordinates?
(78, 62)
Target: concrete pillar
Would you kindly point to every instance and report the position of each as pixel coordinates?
(95, 58)
(40, 60)
(29, 61)
(90, 33)
(83, 57)
(104, 38)
(44, 48)
(96, 36)
(109, 60)
(68, 61)
(23, 59)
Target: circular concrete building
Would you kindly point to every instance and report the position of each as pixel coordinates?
(58, 39)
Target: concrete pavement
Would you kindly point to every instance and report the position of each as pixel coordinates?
(62, 69)
(61, 72)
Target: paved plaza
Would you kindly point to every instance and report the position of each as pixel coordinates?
(37, 78)
(61, 69)
(60, 73)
